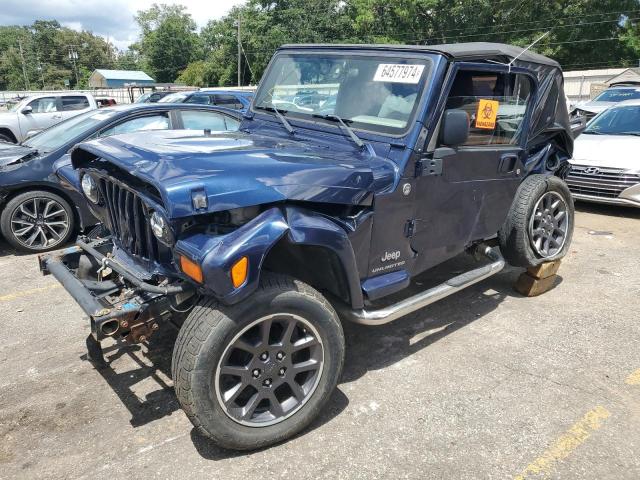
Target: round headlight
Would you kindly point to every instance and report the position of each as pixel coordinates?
(90, 188)
(161, 229)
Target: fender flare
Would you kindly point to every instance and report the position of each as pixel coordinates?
(254, 240)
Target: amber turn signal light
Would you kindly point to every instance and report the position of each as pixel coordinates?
(191, 269)
(239, 272)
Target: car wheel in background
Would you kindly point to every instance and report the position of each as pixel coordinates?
(539, 226)
(37, 221)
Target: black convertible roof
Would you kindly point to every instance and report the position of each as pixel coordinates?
(473, 51)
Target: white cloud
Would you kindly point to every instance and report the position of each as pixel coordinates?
(112, 19)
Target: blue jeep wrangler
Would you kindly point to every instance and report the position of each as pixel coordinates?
(355, 169)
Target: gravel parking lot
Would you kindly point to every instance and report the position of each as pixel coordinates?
(485, 384)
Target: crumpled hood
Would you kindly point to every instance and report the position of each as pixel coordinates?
(594, 107)
(238, 169)
(612, 151)
(11, 153)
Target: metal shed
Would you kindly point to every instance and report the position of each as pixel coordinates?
(102, 78)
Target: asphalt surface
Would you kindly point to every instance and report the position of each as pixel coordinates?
(485, 384)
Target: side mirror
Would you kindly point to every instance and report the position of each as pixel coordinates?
(27, 110)
(454, 130)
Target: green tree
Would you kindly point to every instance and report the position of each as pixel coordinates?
(169, 40)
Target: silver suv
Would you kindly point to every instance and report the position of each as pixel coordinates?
(38, 112)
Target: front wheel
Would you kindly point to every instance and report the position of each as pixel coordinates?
(539, 226)
(257, 373)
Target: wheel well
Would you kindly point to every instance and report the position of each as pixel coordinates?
(9, 133)
(47, 188)
(317, 266)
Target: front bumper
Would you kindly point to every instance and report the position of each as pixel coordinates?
(117, 305)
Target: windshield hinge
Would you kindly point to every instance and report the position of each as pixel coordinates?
(409, 228)
(426, 167)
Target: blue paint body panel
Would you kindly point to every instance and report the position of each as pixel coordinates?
(317, 189)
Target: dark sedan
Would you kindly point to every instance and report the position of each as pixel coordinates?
(36, 212)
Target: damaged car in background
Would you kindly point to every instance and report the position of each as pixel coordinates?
(259, 243)
(583, 112)
(38, 212)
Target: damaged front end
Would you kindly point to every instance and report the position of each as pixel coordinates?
(118, 301)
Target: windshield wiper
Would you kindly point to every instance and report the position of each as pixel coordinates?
(280, 116)
(336, 118)
(593, 132)
(637, 134)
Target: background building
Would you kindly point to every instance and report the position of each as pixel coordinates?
(101, 78)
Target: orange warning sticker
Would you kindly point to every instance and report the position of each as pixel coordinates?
(487, 114)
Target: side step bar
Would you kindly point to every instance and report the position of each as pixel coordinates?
(411, 304)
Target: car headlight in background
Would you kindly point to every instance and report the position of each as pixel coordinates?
(90, 188)
(161, 229)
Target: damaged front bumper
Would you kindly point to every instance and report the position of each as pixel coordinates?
(118, 303)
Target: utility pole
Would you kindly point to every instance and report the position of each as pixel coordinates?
(239, 51)
(39, 67)
(73, 56)
(24, 67)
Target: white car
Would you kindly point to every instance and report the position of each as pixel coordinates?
(606, 162)
(38, 112)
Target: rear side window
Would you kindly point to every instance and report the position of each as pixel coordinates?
(44, 105)
(496, 104)
(194, 120)
(228, 101)
(150, 122)
(76, 102)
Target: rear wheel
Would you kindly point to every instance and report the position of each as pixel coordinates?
(37, 221)
(539, 226)
(258, 372)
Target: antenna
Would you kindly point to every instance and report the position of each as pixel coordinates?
(536, 41)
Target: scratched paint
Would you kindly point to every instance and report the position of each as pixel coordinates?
(567, 443)
(634, 378)
(26, 293)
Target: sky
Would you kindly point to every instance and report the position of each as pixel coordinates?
(112, 19)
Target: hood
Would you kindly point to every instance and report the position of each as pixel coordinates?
(237, 169)
(594, 107)
(613, 151)
(11, 153)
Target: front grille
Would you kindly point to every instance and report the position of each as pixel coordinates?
(600, 181)
(129, 222)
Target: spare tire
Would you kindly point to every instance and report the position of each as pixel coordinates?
(539, 226)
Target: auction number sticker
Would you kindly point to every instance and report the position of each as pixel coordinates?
(398, 73)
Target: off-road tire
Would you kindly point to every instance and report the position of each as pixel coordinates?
(14, 203)
(211, 327)
(515, 237)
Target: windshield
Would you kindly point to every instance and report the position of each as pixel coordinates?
(618, 95)
(616, 121)
(14, 106)
(56, 136)
(376, 93)
(143, 98)
(173, 98)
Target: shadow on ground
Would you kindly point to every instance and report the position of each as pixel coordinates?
(610, 210)
(368, 348)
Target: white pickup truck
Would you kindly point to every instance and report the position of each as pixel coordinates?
(37, 112)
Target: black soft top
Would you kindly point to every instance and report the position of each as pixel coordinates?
(472, 51)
